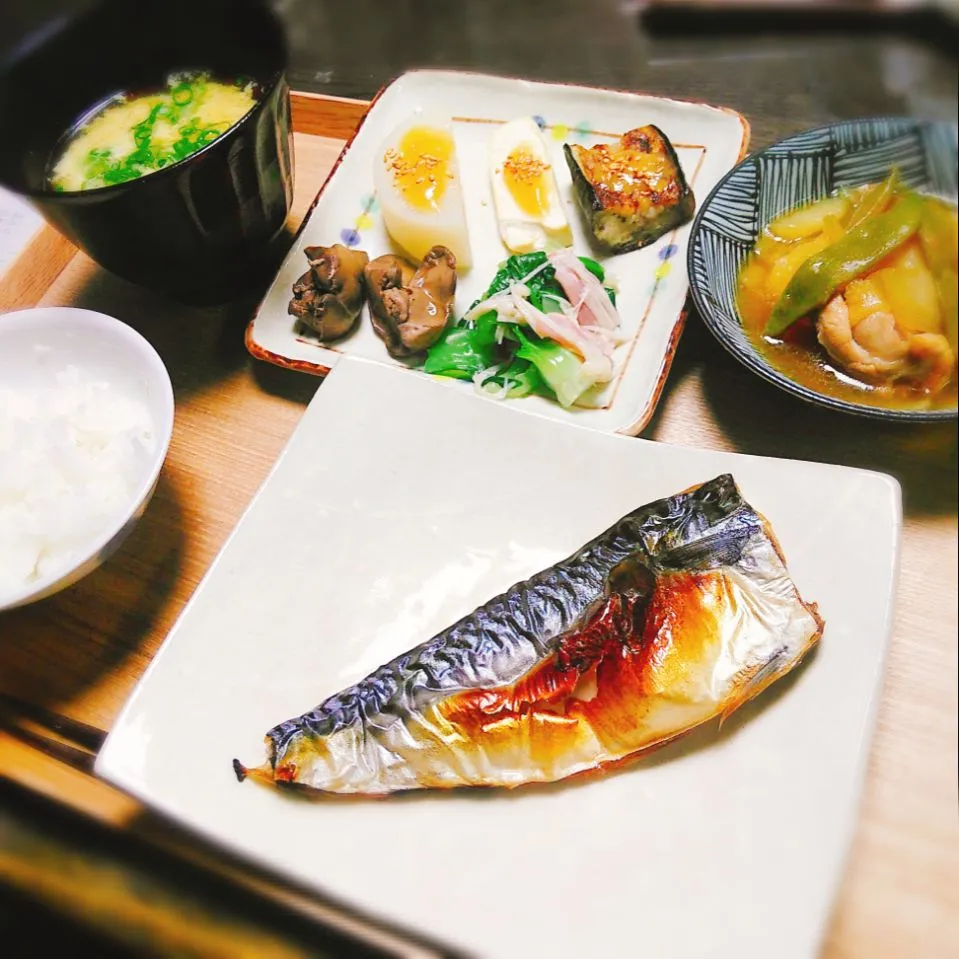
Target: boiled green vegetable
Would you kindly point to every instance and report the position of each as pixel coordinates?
(819, 277)
(505, 358)
(874, 199)
(561, 369)
(465, 349)
(518, 268)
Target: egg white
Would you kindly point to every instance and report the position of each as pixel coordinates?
(520, 231)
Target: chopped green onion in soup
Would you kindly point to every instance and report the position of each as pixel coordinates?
(135, 135)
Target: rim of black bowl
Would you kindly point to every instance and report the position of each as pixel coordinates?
(749, 357)
(70, 195)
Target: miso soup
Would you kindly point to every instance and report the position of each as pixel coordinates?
(133, 135)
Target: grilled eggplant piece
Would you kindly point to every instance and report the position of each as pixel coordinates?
(678, 614)
(631, 192)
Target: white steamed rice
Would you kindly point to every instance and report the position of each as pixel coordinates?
(71, 456)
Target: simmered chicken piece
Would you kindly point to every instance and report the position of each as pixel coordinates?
(873, 345)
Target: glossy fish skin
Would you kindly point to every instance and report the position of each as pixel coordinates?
(679, 613)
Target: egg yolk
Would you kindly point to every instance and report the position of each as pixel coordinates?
(421, 166)
(526, 179)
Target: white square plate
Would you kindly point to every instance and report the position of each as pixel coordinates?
(652, 281)
(382, 523)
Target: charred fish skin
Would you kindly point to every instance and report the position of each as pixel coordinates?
(498, 697)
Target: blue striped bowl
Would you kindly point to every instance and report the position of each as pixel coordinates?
(790, 173)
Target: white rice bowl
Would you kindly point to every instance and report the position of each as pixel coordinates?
(86, 414)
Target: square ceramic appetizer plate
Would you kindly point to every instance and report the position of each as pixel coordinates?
(380, 525)
(652, 282)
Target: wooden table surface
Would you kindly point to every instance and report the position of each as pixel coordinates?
(80, 859)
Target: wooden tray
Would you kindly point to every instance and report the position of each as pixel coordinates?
(68, 664)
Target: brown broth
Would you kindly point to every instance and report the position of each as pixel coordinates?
(800, 357)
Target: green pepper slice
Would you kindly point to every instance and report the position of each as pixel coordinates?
(856, 253)
(874, 200)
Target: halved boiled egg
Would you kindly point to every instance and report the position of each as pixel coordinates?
(417, 180)
(529, 210)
